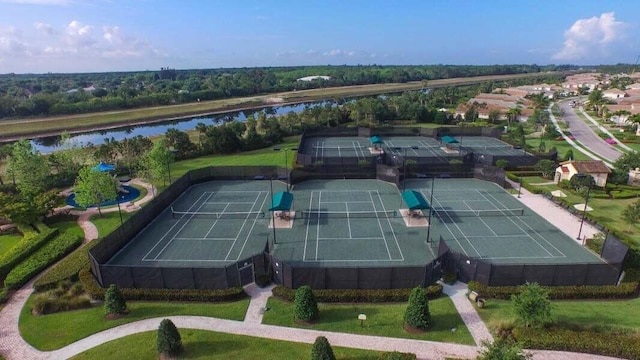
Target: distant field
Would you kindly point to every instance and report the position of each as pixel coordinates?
(12, 129)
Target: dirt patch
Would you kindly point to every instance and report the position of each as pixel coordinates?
(304, 323)
(412, 330)
(116, 316)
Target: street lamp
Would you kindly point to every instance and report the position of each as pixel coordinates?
(433, 179)
(520, 187)
(171, 153)
(586, 201)
(286, 162)
(273, 213)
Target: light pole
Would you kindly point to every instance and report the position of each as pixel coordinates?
(584, 210)
(286, 162)
(433, 180)
(115, 185)
(273, 213)
(404, 164)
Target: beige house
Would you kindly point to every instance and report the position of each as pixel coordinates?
(596, 168)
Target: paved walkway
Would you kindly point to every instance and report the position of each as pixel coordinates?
(555, 214)
(458, 294)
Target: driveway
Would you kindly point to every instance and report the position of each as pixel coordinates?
(586, 136)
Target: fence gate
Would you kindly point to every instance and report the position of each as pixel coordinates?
(246, 274)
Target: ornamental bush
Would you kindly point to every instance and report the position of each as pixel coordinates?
(305, 307)
(322, 349)
(113, 301)
(532, 305)
(417, 314)
(169, 340)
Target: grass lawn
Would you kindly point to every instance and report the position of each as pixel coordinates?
(614, 314)
(68, 227)
(108, 222)
(261, 157)
(200, 344)
(561, 146)
(50, 332)
(382, 320)
(8, 241)
(634, 146)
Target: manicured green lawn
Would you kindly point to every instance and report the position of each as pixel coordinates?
(50, 332)
(200, 344)
(261, 157)
(382, 320)
(109, 222)
(8, 241)
(68, 227)
(603, 314)
(561, 146)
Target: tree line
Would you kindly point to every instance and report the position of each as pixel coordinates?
(58, 94)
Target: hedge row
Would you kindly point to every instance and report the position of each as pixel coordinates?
(94, 290)
(4, 295)
(624, 290)
(357, 296)
(67, 269)
(610, 344)
(395, 355)
(30, 243)
(53, 251)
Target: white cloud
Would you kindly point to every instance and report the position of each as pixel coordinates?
(339, 52)
(592, 37)
(12, 42)
(45, 28)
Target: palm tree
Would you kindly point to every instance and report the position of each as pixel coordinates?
(512, 114)
(202, 129)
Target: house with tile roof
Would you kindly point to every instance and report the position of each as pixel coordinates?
(595, 168)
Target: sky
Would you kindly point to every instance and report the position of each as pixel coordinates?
(40, 36)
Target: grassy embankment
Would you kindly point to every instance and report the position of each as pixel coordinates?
(10, 129)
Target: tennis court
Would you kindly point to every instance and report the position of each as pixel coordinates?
(487, 145)
(481, 220)
(337, 147)
(212, 223)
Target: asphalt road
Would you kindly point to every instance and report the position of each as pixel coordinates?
(586, 136)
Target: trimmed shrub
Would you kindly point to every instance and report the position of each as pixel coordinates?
(169, 341)
(113, 301)
(46, 303)
(616, 344)
(358, 295)
(417, 314)
(622, 291)
(305, 307)
(30, 243)
(532, 305)
(4, 295)
(322, 349)
(41, 259)
(67, 269)
(395, 355)
(95, 291)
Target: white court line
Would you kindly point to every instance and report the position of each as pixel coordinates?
(214, 223)
(352, 260)
(226, 203)
(203, 239)
(255, 220)
(355, 148)
(499, 236)
(244, 223)
(318, 224)
(481, 219)
(180, 229)
(523, 231)
(346, 206)
(391, 227)
(380, 226)
(306, 237)
(342, 202)
(446, 224)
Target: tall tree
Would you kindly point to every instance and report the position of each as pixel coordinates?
(94, 188)
(631, 214)
(158, 161)
(28, 168)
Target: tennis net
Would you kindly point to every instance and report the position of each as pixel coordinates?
(187, 215)
(341, 148)
(479, 213)
(346, 214)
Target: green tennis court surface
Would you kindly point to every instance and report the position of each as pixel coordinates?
(487, 145)
(349, 223)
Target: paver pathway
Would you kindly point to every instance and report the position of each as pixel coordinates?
(458, 294)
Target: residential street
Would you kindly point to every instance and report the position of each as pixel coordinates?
(586, 136)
